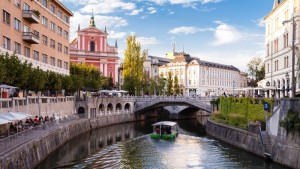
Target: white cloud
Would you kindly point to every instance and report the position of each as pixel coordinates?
(147, 40)
(187, 30)
(184, 2)
(226, 34)
(260, 22)
(136, 12)
(152, 10)
(100, 21)
(104, 7)
(116, 35)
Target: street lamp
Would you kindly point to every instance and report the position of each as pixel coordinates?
(233, 82)
(287, 82)
(293, 53)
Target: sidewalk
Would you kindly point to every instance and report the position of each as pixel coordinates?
(14, 141)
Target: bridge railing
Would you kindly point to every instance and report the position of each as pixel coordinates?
(155, 100)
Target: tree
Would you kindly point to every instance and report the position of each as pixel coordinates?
(169, 84)
(256, 70)
(133, 70)
(161, 84)
(176, 85)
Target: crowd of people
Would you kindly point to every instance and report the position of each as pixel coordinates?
(29, 123)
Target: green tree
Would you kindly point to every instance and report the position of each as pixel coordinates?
(37, 80)
(153, 88)
(256, 70)
(176, 85)
(169, 84)
(133, 70)
(161, 84)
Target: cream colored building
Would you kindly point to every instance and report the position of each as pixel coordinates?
(37, 31)
(201, 78)
(278, 45)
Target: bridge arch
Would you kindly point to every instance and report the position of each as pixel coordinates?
(109, 107)
(127, 107)
(101, 107)
(119, 106)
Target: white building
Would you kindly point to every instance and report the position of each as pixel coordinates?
(278, 41)
(152, 63)
(202, 78)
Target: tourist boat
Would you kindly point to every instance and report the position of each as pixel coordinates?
(165, 130)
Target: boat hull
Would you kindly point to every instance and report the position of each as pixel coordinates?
(163, 136)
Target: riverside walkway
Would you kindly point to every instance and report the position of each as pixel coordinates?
(9, 143)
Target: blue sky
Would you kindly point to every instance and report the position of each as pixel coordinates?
(224, 31)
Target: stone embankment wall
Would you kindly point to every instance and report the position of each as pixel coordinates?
(239, 138)
(35, 151)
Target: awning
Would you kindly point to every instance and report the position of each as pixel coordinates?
(4, 86)
(4, 121)
(270, 88)
(11, 116)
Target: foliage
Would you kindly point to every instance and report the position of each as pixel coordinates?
(291, 122)
(176, 85)
(25, 77)
(256, 69)
(241, 111)
(169, 84)
(133, 70)
(161, 84)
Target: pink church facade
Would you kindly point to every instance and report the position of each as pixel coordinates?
(91, 47)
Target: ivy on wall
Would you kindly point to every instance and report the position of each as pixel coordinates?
(241, 111)
(291, 122)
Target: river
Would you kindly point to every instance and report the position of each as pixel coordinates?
(129, 146)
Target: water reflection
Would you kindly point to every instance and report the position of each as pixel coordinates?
(128, 146)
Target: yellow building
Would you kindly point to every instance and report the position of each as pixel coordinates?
(37, 31)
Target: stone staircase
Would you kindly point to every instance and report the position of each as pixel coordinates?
(267, 144)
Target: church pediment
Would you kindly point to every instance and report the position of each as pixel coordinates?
(92, 30)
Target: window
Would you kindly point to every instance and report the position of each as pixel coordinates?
(59, 30)
(6, 42)
(66, 50)
(36, 55)
(66, 65)
(59, 47)
(44, 21)
(6, 17)
(44, 40)
(17, 25)
(45, 58)
(17, 48)
(276, 65)
(286, 40)
(92, 47)
(45, 3)
(52, 26)
(52, 61)
(59, 63)
(286, 62)
(66, 35)
(26, 6)
(27, 52)
(66, 19)
(26, 28)
(52, 43)
(268, 68)
(276, 45)
(59, 14)
(17, 3)
(52, 9)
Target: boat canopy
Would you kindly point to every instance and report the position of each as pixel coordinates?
(165, 123)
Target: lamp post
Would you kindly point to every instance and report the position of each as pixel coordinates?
(233, 82)
(287, 82)
(292, 20)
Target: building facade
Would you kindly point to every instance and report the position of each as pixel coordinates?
(201, 78)
(38, 32)
(91, 47)
(279, 47)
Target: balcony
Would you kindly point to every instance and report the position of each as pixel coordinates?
(31, 38)
(31, 16)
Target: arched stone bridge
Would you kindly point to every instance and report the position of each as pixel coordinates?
(153, 102)
(92, 107)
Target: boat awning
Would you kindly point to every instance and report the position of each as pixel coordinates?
(165, 123)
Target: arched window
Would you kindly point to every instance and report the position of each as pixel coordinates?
(92, 46)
